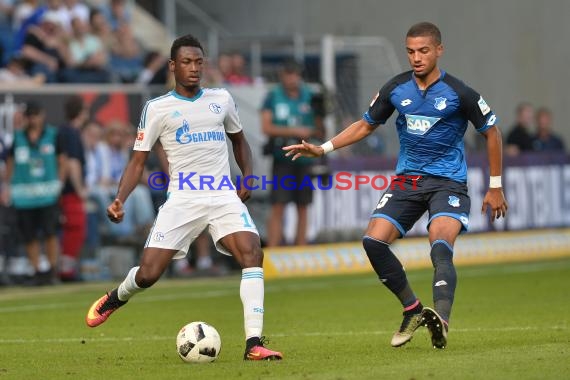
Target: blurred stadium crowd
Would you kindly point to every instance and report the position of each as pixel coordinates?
(69, 41)
(75, 42)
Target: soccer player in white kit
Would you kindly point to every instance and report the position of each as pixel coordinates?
(192, 123)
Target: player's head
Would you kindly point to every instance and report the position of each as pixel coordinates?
(423, 44)
(187, 61)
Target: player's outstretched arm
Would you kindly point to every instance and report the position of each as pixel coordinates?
(129, 180)
(495, 198)
(243, 156)
(353, 133)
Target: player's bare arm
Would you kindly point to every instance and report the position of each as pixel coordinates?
(7, 177)
(242, 154)
(129, 180)
(495, 199)
(352, 134)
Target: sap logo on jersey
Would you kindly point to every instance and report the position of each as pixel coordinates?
(419, 125)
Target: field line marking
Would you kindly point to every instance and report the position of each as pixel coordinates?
(271, 287)
(317, 333)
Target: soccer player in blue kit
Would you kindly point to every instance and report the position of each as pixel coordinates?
(434, 109)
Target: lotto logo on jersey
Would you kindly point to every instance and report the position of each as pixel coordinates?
(419, 125)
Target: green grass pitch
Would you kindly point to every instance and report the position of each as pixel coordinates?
(510, 321)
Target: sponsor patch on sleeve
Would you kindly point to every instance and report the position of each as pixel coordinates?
(374, 99)
(492, 120)
(485, 109)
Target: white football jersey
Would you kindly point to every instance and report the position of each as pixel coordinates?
(192, 132)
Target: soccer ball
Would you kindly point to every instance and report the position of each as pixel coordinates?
(198, 342)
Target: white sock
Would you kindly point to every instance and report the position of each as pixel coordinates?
(129, 287)
(251, 292)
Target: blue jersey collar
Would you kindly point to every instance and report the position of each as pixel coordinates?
(423, 92)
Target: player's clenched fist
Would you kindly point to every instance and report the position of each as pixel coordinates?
(115, 211)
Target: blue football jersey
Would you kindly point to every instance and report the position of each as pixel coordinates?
(431, 123)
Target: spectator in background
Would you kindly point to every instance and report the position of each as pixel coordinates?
(87, 56)
(15, 74)
(225, 65)
(74, 192)
(126, 54)
(116, 150)
(286, 118)
(7, 8)
(6, 11)
(519, 138)
(237, 75)
(46, 47)
(63, 13)
(91, 136)
(101, 28)
(7, 241)
(35, 168)
(117, 13)
(77, 9)
(212, 76)
(22, 12)
(155, 69)
(545, 140)
(232, 69)
(58, 13)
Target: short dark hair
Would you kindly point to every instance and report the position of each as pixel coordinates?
(187, 40)
(543, 111)
(32, 108)
(73, 107)
(425, 29)
(522, 105)
(290, 66)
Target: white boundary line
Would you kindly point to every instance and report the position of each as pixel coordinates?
(272, 287)
(319, 333)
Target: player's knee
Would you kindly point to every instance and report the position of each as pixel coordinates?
(375, 247)
(147, 276)
(441, 252)
(385, 264)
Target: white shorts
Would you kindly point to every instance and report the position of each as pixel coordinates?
(181, 219)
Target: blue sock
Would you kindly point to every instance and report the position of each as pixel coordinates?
(389, 270)
(444, 277)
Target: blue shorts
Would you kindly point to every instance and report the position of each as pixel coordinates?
(409, 197)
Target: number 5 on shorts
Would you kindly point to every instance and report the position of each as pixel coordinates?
(383, 201)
